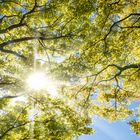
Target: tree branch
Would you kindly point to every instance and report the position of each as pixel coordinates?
(121, 69)
(20, 24)
(132, 14)
(2, 45)
(13, 127)
(31, 11)
(13, 52)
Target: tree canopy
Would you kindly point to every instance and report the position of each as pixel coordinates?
(88, 48)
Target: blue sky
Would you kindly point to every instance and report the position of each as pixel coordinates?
(105, 130)
(118, 130)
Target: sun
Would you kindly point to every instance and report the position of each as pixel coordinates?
(37, 81)
(40, 81)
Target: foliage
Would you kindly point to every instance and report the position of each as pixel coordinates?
(90, 48)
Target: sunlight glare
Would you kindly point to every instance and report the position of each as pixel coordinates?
(18, 99)
(39, 81)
